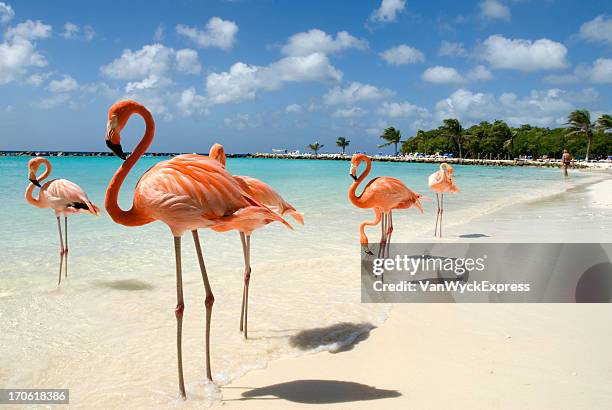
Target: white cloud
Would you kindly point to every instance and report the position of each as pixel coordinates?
(442, 75)
(402, 54)
(217, 33)
(64, 85)
(187, 61)
(524, 55)
(74, 32)
(190, 103)
(542, 108)
(450, 49)
(51, 102)
(494, 10)
(351, 112)
(601, 72)
(36, 79)
(28, 30)
(355, 92)
(6, 13)
(159, 33)
(242, 121)
(296, 108)
(402, 110)
(598, 29)
(388, 11)
(479, 73)
(318, 41)
(15, 57)
(243, 81)
(152, 66)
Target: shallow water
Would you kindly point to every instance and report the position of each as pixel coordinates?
(109, 333)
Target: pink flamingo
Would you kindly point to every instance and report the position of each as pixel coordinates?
(383, 194)
(186, 192)
(442, 181)
(63, 196)
(270, 198)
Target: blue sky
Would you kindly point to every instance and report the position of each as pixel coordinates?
(262, 74)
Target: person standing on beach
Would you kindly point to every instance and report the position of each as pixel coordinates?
(566, 160)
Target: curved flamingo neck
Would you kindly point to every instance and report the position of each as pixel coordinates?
(356, 200)
(35, 200)
(134, 216)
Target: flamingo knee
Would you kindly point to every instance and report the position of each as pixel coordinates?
(178, 311)
(209, 301)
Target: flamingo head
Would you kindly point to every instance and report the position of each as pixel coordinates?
(217, 153)
(118, 116)
(33, 166)
(355, 162)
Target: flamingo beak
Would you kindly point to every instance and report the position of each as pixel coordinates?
(353, 172)
(35, 182)
(353, 176)
(117, 149)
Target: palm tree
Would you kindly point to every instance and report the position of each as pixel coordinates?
(315, 147)
(452, 128)
(342, 143)
(509, 143)
(579, 122)
(604, 123)
(392, 136)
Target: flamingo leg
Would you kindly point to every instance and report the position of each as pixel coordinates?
(243, 241)
(437, 214)
(66, 247)
(389, 232)
(59, 228)
(441, 212)
(178, 312)
(383, 236)
(208, 302)
(247, 279)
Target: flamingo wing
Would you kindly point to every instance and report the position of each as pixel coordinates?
(390, 193)
(65, 195)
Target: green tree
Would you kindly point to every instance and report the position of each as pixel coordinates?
(342, 143)
(451, 128)
(315, 146)
(579, 122)
(392, 136)
(604, 123)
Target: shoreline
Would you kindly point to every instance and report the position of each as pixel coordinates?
(605, 165)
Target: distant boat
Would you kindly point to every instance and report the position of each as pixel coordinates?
(279, 151)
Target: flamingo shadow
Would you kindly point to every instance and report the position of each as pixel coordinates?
(473, 235)
(126, 284)
(320, 392)
(340, 337)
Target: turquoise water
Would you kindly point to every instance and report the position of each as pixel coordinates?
(109, 331)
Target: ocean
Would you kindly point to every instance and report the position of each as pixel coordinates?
(108, 334)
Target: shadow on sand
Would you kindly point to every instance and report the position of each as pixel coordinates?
(319, 392)
(340, 337)
(473, 235)
(126, 284)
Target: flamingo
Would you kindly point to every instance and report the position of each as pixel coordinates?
(270, 198)
(186, 192)
(442, 181)
(383, 194)
(63, 196)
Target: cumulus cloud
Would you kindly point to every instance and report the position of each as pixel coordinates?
(50, 102)
(36, 79)
(243, 81)
(350, 112)
(74, 32)
(402, 110)
(494, 10)
(450, 49)
(542, 108)
(64, 85)
(187, 61)
(442, 75)
(599, 72)
(402, 54)
(18, 52)
(479, 73)
(388, 11)
(6, 13)
(295, 108)
(28, 30)
(191, 103)
(524, 55)
(318, 41)
(355, 92)
(217, 33)
(599, 29)
(159, 33)
(242, 121)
